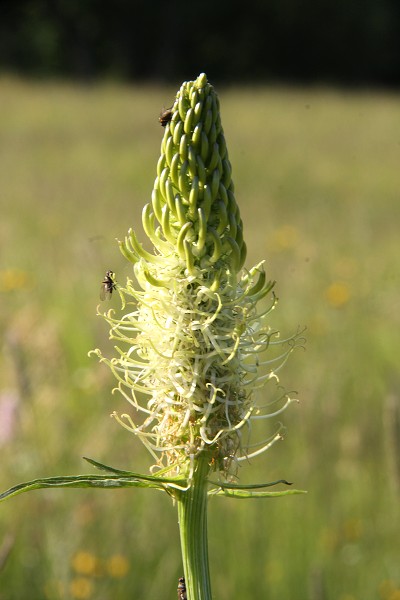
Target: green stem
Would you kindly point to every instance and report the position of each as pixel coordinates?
(192, 513)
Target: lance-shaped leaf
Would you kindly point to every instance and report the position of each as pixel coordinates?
(233, 490)
(243, 494)
(120, 479)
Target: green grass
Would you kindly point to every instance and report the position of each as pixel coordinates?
(317, 179)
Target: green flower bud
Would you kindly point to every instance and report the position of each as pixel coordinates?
(190, 344)
(193, 200)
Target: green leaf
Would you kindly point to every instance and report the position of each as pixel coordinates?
(242, 494)
(102, 467)
(80, 481)
(95, 481)
(152, 478)
(250, 486)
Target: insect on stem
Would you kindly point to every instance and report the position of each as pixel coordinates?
(182, 589)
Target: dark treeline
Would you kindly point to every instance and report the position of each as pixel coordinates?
(351, 42)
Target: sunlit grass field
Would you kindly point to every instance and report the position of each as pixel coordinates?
(317, 177)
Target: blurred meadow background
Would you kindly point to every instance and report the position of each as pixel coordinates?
(316, 173)
(310, 108)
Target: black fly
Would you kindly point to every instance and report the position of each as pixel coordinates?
(165, 116)
(107, 286)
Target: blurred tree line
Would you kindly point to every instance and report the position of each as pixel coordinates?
(328, 41)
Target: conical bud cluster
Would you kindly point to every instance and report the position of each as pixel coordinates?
(193, 202)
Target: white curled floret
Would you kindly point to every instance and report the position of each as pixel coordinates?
(196, 355)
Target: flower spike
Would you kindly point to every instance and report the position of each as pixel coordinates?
(195, 338)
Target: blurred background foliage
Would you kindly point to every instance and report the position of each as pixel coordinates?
(346, 41)
(317, 179)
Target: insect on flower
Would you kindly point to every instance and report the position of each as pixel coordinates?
(182, 589)
(107, 286)
(165, 116)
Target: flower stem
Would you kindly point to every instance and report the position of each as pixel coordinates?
(192, 513)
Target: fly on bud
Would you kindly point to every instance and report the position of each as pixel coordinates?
(165, 116)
